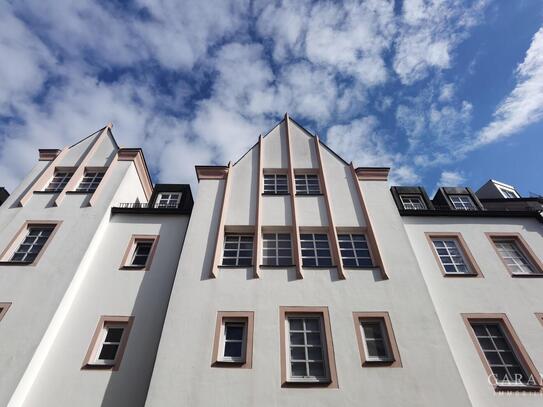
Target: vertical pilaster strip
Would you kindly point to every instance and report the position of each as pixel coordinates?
(258, 221)
(331, 225)
(219, 241)
(295, 232)
(107, 175)
(45, 176)
(369, 229)
(80, 170)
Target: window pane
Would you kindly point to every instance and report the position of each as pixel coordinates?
(234, 332)
(232, 349)
(298, 369)
(114, 334)
(108, 352)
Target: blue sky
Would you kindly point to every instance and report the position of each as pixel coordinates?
(445, 92)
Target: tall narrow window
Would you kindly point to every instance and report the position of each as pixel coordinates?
(140, 251)
(462, 202)
(412, 202)
(315, 250)
(307, 184)
(306, 342)
(275, 184)
(59, 181)
(516, 256)
(376, 341)
(277, 249)
(233, 339)
(32, 244)
(108, 343)
(238, 250)
(168, 200)
(354, 250)
(503, 356)
(90, 181)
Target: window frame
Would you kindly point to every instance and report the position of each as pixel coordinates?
(383, 318)
(462, 246)
(515, 344)
(504, 191)
(276, 232)
(156, 204)
(314, 232)
(469, 197)
(98, 170)
(20, 235)
(237, 265)
(354, 232)
(4, 307)
(411, 196)
(131, 248)
(328, 347)
(67, 170)
(305, 174)
(524, 248)
(90, 360)
(274, 173)
(246, 361)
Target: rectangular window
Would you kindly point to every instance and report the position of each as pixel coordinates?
(275, 184)
(516, 255)
(306, 343)
(233, 345)
(108, 343)
(501, 352)
(276, 249)
(452, 254)
(508, 193)
(238, 250)
(140, 252)
(90, 181)
(315, 250)
(307, 184)
(462, 202)
(168, 200)
(412, 202)
(376, 341)
(354, 250)
(59, 181)
(32, 244)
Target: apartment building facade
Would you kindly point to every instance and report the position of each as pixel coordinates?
(296, 280)
(480, 255)
(89, 249)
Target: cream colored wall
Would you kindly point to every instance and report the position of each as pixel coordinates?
(497, 292)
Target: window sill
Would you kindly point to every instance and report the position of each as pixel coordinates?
(272, 194)
(91, 366)
(222, 266)
(16, 263)
(271, 266)
(360, 267)
(527, 275)
(318, 267)
(80, 192)
(308, 383)
(142, 268)
(517, 388)
(470, 275)
(319, 194)
(378, 363)
(46, 192)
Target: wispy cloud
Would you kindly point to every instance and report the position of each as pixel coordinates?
(524, 105)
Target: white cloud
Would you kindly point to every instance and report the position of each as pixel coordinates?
(451, 179)
(447, 92)
(524, 105)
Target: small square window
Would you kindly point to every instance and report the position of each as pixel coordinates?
(462, 202)
(90, 181)
(354, 250)
(238, 250)
(276, 249)
(275, 184)
(59, 181)
(108, 343)
(233, 339)
(315, 250)
(413, 202)
(140, 251)
(307, 184)
(168, 200)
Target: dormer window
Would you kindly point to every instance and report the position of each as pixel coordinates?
(462, 202)
(413, 202)
(508, 193)
(168, 200)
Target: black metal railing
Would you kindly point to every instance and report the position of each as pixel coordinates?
(133, 205)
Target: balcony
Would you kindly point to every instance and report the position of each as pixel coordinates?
(143, 208)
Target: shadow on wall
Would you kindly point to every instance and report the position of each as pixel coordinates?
(128, 386)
